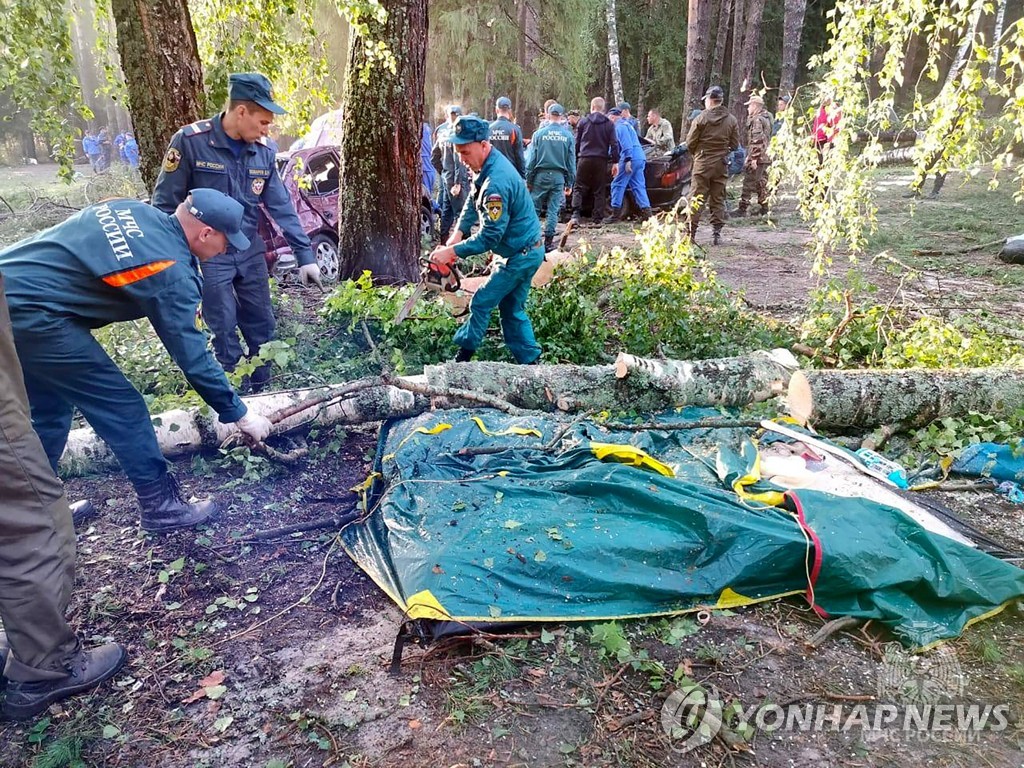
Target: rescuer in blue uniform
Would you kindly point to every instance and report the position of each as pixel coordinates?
(506, 136)
(551, 172)
(122, 260)
(628, 172)
(231, 153)
(508, 226)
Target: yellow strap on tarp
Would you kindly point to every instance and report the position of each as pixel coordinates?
(752, 476)
(628, 454)
(524, 431)
(423, 605)
(363, 488)
(435, 430)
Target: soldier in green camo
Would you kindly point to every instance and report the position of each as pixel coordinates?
(755, 170)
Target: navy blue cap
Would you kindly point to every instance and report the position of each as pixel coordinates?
(715, 92)
(556, 109)
(623, 106)
(252, 86)
(614, 111)
(469, 129)
(503, 102)
(217, 210)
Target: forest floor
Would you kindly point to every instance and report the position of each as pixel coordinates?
(246, 652)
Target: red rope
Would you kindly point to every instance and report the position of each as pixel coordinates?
(816, 565)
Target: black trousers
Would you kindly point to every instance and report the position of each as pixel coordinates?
(592, 180)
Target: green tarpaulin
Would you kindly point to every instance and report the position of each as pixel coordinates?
(477, 518)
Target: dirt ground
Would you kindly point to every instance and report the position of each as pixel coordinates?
(248, 652)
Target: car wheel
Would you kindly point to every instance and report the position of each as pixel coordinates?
(326, 252)
(427, 229)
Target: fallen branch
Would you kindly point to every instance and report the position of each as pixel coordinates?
(452, 393)
(831, 628)
(959, 251)
(334, 521)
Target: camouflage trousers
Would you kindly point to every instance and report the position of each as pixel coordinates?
(755, 180)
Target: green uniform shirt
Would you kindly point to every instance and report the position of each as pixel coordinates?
(713, 135)
(553, 148)
(662, 136)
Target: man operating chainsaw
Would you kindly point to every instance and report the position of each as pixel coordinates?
(508, 226)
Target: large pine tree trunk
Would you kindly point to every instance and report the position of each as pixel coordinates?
(748, 58)
(698, 34)
(792, 32)
(163, 73)
(614, 66)
(380, 149)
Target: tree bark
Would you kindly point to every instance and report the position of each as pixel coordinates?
(614, 65)
(632, 384)
(965, 46)
(751, 41)
(380, 149)
(868, 398)
(698, 34)
(736, 64)
(721, 38)
(792, 32)
(163, 74)
(997, 41)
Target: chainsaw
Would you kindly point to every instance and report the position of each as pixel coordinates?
(433, 277)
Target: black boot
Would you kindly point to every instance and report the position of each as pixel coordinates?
(645, 214)
(549, 243)
(716, 235)
(614, 217)
(85, 670)
(80, 512)
(163, 508)
(464, 355)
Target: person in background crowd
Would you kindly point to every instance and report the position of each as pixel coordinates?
(659, 132)
(596, 148)
(506, 136)
(713, 135)
(454, 176)
(551, 172)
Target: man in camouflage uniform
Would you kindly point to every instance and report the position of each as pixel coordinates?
(759, 134)
(713, 135)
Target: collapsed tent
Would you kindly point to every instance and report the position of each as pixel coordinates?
(477, 517)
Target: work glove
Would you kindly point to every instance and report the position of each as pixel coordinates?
(254, 426)
(309, 274)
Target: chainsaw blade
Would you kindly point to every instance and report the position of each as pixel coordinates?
(414, 297)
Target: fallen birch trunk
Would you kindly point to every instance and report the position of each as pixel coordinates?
(909, 398)
(632, 384)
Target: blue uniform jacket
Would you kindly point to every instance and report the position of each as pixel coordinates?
(553, 148)
(200, 155)
(119, 260)
(508, 138)
(629, 144)
(502, 207)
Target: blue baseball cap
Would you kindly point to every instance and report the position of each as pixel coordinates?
(217, 210)
(469, 129)
(614, 111)
(453, 109)
(624, 106)
(254, 87)
(556, 109)
(503, 102)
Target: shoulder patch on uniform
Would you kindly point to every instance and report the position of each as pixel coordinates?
(494, 206)
(172, 160)
(196, 128)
